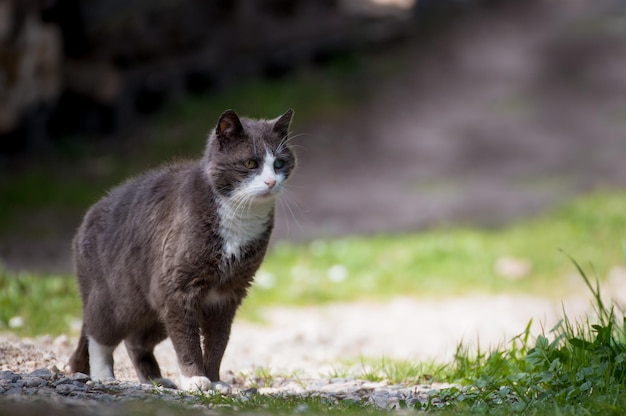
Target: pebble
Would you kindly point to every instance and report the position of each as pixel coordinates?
(33, 381)
(80, 378)
(66, 389)
(79, 388)
(43, 373)
(13, 391)
(9, 376)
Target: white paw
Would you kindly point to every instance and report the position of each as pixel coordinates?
(195, 383)
(222, 388)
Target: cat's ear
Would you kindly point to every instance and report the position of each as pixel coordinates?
(228, 125)
(282, 123)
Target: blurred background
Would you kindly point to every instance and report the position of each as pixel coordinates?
(410, 115)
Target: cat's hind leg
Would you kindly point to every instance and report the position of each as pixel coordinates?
(100, 360)
(140, 347)
(79, 361)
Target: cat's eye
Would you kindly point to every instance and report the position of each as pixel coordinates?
(279, 163)
(250, 163)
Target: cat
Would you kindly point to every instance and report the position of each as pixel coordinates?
(174, 251)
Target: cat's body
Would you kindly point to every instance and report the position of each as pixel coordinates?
(173, 253)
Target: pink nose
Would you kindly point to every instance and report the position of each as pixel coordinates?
(270, 182)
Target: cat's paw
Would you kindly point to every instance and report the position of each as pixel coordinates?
(195, 383)
(104, 380)
(164, 382)
(222, 388)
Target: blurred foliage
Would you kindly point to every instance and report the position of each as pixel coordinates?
(78, 170)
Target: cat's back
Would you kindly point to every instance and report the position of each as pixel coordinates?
(137, 211)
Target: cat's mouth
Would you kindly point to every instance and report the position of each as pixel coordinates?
(267, 194)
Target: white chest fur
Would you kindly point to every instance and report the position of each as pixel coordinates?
(240, 223)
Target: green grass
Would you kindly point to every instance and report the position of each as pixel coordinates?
(447, 262)
(435, 263)
(393, 371)
(44, 305)
(577, 368)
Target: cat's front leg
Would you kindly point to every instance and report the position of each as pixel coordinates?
(183, 332)
(215, 326)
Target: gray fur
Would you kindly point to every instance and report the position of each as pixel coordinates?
(150, 253)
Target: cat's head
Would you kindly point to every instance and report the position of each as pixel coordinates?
(250, 159)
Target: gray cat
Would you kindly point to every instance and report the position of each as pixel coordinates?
(174, 251)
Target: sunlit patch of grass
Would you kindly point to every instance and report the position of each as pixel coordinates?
(392, 371)
(434, 263)
(31, 305)
(448, 262)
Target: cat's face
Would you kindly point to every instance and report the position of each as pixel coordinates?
(250, 159)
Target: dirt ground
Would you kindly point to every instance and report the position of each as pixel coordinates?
(335, 340)
(502, 116)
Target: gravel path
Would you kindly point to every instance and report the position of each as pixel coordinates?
(296, 352)
(79, 394)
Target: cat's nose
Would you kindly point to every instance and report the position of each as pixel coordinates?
(270, 182)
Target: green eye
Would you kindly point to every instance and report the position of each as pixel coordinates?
(250, 163)
(279, 163)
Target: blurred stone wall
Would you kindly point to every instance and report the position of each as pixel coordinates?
(92, 66)
(30, 69)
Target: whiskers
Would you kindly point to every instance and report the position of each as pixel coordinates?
(289, 205)
(243, 206)
(288, 138)
(240, 203)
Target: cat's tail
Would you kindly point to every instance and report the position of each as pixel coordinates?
(79, 361)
